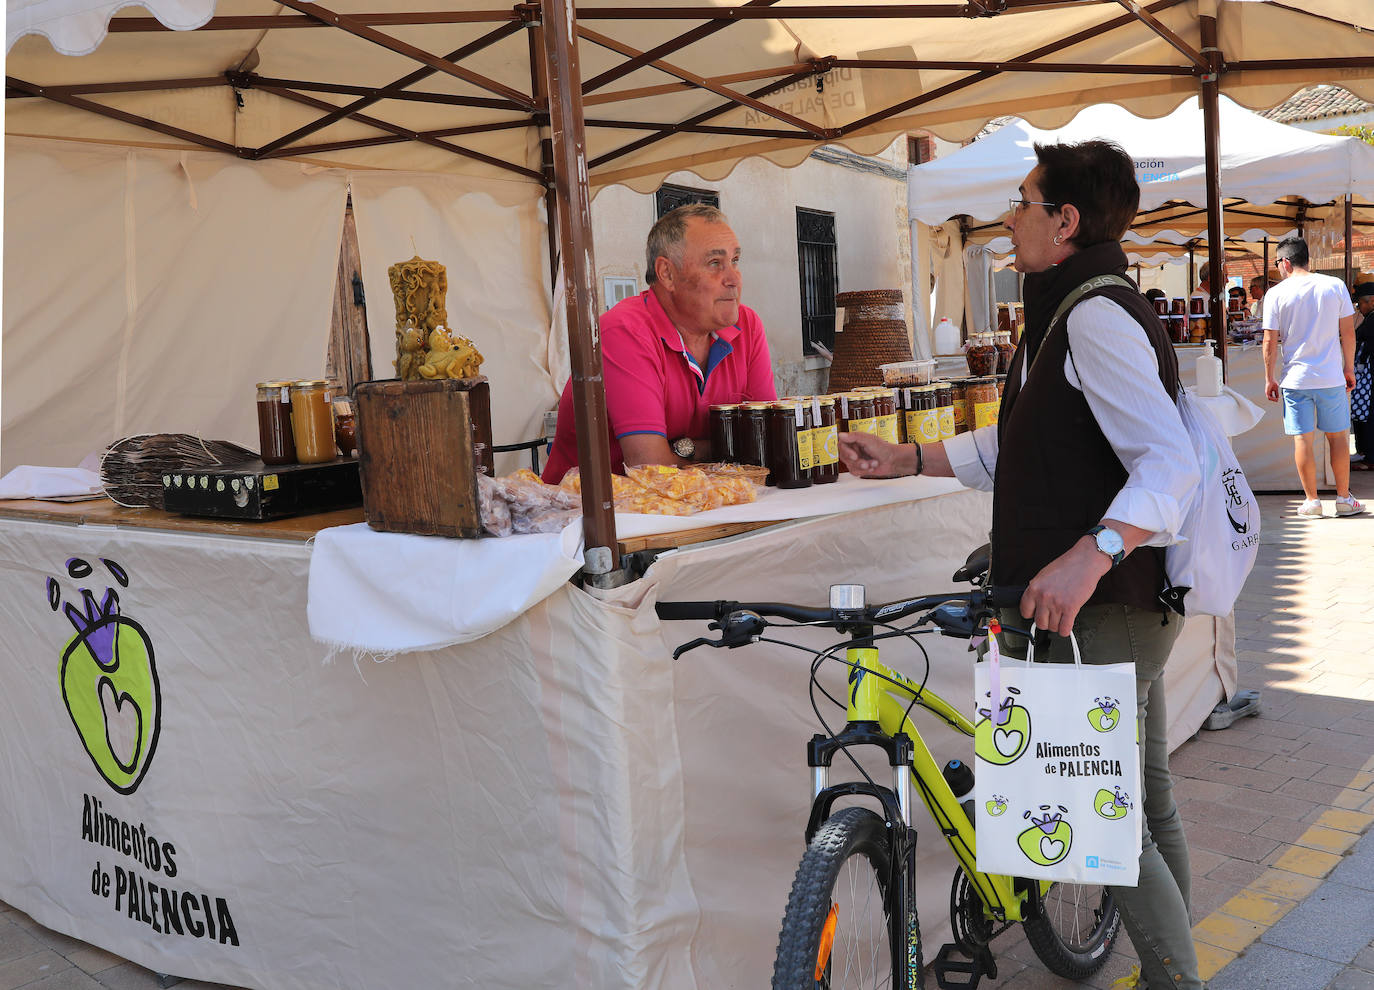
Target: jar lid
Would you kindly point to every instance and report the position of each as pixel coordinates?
(757, 405)
(924, 388)
(789, 404)
(826, 400)
(286, 384)
(305, 383)
(725, 405)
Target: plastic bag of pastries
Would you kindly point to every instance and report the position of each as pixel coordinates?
(669, 481)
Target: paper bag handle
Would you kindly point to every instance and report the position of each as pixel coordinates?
(1073, 641)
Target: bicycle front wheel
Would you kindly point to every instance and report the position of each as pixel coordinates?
(836, 933)
(1075, 929)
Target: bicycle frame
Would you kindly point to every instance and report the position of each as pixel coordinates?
(874, 690)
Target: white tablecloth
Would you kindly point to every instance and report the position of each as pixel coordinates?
(391, 592)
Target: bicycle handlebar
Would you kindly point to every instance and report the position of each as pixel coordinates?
(977, 600)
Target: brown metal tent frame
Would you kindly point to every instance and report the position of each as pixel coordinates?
(557, 98)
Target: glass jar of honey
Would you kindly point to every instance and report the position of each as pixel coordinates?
(312, 421)
(923, 421)
(983, 401)
(274, 423)
(825, 444)
(944, 406)
(885, 414)
(1004, 352)
(751, 434)
(958, 386)
(785, 420)
(722, 432)
(862, 418)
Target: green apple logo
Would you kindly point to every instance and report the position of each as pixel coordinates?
(997, 805)
(1048, 839)
(109, 681)
(1112, 805)
(1104, 717)
(1004, 740)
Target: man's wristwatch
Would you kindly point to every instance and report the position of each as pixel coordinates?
(1109, 541)
(684, 447)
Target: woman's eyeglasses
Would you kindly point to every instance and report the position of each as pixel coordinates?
(1017, 205)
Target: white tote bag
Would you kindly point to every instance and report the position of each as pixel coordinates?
(1056, 770)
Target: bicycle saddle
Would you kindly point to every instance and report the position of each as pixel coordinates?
(976, 566)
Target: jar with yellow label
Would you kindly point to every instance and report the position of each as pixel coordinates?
(959, 386)
(983, 403)
(825, 444)
(901, 394)
(944, 405)
(862, 418)
(805, 423)
(784, 452)
(312, 421)
(923, 422)
(885, 414)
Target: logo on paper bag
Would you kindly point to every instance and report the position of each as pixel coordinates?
(1236, 503)
(1002, 740)
(1104, 717)
(1049, 837)
(1112, 804)
(109, 680)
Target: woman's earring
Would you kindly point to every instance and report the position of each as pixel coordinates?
(1058, 238)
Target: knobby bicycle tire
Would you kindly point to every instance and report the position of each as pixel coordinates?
(1074, 930)
(846, 864)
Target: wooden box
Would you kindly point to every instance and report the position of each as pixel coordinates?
(416, 454)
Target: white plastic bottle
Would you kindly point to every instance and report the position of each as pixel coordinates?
(946, 337)
(1208, 372)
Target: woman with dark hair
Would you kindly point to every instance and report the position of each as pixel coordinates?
(1090, 469)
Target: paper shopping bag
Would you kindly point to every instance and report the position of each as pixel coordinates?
(1057, 780)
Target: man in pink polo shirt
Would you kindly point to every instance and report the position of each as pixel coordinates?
(670, 353)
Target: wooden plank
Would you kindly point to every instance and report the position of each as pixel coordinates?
(103, 512)
(686, 537)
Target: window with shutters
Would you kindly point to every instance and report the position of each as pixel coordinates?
(920, 148)
(669, 198)
(819, 276)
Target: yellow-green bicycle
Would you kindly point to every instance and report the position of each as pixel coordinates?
(851, 917)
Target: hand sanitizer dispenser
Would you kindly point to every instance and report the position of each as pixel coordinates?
(1208, 372)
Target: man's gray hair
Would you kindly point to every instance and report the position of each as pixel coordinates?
(666, 236)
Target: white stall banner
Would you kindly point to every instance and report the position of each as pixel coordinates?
(1057, 777)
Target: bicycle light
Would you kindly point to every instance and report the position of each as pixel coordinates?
(847, 597)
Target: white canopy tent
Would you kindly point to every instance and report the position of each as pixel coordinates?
(1275, 179)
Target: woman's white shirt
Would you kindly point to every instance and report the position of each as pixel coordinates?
(1120, 380)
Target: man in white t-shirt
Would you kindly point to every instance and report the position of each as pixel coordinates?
(1310, 318)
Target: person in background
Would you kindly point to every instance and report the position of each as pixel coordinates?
(1090, 468)
(670, 353)
(1256, 296)
(1310, 322)
(1204, 281)
(1363, 425)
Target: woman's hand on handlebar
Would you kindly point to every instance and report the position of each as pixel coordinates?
(867, 456)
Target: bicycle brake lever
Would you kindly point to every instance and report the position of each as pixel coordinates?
(699, 641)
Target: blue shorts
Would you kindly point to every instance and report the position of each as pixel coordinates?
(1308, 409)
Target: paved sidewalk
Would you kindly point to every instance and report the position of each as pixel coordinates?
(1283, 888)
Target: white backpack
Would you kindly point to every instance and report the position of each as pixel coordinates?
(1220, 534)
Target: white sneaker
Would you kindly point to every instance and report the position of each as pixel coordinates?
(1349, 506)
(1311, 508)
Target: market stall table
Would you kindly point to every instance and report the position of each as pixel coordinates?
(558, 783)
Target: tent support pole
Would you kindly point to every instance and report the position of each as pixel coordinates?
(539, 87)
(1265, 274)
(1349, 239)
(574, 217)
(1216, 249)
